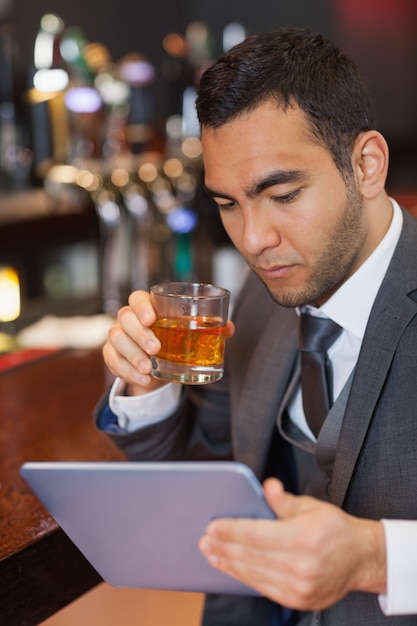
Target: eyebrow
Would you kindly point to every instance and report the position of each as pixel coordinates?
(278, 177)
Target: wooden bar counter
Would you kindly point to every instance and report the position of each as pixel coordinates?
(45, 415)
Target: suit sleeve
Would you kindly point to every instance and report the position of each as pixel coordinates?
(199, 429)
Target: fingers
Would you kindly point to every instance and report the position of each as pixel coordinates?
(131, 342)
(247, 566)
(223, 547)
(230, 329)
(241, 532)
(239, 545)
(252, 552)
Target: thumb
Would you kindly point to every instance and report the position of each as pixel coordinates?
(283, 503)
(230, 329)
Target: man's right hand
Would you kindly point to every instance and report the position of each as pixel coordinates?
(131, 343)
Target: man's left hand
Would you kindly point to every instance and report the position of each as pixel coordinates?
(310, 557)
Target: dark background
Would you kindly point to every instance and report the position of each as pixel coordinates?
(379, 34)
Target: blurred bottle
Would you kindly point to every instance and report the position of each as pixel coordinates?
(48, 116)
(15, 157)
(139, 74)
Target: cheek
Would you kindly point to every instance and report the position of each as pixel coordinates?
(319, 214)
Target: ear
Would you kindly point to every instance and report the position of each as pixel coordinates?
(370, 163)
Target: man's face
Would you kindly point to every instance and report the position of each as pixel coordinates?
(284, 204)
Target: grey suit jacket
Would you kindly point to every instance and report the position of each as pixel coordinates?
(375, 469)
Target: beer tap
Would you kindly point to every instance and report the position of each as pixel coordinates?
(139, 224)
(111, 245)
(109, 214)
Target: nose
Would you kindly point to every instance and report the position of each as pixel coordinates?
(259, 232)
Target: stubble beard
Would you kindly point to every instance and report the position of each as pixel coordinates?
(333, 264)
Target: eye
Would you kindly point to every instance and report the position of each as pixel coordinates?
(287, 197)
(225, 206)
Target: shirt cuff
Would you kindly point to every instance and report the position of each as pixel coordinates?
(401, 545)
(135, 412)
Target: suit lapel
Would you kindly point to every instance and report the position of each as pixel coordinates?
(391, 313)
(266, 381)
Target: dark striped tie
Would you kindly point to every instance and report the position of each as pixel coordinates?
(315, 336)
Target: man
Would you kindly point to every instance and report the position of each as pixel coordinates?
(297, 169)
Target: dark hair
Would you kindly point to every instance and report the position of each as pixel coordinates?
(291, 66)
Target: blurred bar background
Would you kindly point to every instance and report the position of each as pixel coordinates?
(100, 163)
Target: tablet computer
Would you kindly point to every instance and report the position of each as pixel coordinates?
(139, 524)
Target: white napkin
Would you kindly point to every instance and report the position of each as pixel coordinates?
(66, 332)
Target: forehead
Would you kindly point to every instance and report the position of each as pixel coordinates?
(264, 125)
(265, 137)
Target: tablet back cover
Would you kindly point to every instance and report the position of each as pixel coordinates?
(139, 524)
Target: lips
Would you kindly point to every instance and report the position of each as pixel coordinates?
(274, 271)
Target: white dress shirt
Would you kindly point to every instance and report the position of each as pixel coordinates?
(349, 307)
